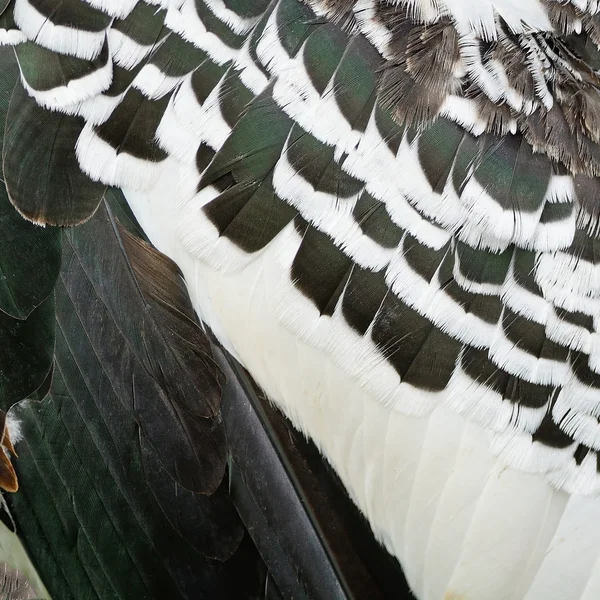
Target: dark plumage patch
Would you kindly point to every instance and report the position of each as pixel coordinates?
(132, 126)
(320, 270)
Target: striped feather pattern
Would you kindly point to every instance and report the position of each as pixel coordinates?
(388, 212)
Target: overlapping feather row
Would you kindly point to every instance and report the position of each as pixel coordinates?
(442, 156)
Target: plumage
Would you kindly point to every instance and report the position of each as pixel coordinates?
(385, 211)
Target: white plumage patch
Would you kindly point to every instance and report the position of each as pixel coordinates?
(250, 75)
(126, 52)
(103, 163)
(234, 21)
(95, 110)
(153, 83)
(385, 469)
(115, 8)
(11, 37)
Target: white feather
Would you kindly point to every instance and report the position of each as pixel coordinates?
(456, 505)
(560, 576)
(512, 505)
(438, 458)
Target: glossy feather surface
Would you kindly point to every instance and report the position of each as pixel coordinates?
(388, 213)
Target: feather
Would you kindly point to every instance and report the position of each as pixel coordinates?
(33, 127)
(134, 36)
(71, 27)
(385, 210)
(65, 80)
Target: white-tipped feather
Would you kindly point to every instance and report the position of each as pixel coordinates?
(583, 428)
(174, 137)
(250, 74)
(183, 19)
(477, 402)
(559, 274)
(519, 451)
(95, 110)
(464, 112)
(508, 356)
(567, 334)
(330, 214)
(205, 122)
(485, 214)
(60, 38)
(555, 235)
(372, 27)
(102, 162)
(153, 83)
(270, 51)
(235, 22)
(115, 8)
(126, 52)
(430, 300)
(11, 37)
(560, 189)
(76, 91)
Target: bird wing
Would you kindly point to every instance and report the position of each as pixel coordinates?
(387, 212)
